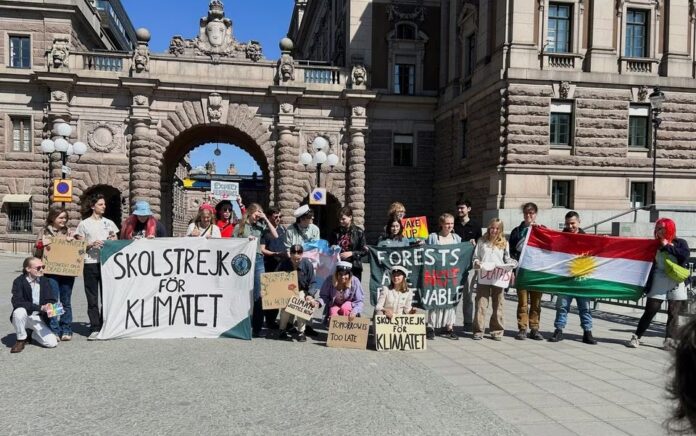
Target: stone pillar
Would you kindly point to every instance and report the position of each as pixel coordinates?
(523, 50)
(676, 59)
(355, 197)
(602, 54)
(145, 167)
(286, 160)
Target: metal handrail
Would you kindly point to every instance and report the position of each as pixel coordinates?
(612, 218)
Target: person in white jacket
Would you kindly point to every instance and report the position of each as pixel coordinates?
(397, 298)
(492, 258)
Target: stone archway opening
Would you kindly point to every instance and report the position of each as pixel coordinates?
(326, 217)
(183, 190)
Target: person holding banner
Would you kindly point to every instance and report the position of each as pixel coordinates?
(397, 298)
(393, 235)
(663, 284)
(344, 294)
(492, 258)
(528, 302)
(273, 249)
(31, 299)
(572, 225)
(306, 283)
(203, 226)
(468, 230)
(351, 239)
(443, 319)
(94, 229)
(226, 219)
(303, 230)
(62, 286)
(253, 225)
(141, 224)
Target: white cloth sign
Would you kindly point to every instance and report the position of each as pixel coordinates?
(499, 276)
(177, 288)
(224, 190)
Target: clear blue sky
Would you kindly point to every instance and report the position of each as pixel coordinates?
(265, 21)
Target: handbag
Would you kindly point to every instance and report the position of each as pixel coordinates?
(675, 271)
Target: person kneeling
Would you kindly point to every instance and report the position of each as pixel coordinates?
(306, 283)
(31, 293)
(396, 299)
(343, 295)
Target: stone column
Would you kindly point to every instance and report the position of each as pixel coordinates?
(145, 167)
(676, 61)
(602, 53)
(355, 195)
(285, 188)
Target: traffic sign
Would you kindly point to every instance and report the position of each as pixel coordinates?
(318, 197)
(62, 190)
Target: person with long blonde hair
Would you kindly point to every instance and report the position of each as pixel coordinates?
(254, 225)
(492, 252)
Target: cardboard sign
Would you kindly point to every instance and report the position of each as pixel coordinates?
(277, 288)
(224, 190)
(348, 334)
(300, 308)
(401, 332)
(499, 276)
(64, 258)
(416, 227)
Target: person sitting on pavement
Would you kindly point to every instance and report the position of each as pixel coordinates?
(306, 283)
(141, 224)
(344, 294)
(303, 230)
(397, 298)
(572, 225)
(31, 295)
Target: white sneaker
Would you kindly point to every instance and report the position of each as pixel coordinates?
(93, 336)
(634, 342)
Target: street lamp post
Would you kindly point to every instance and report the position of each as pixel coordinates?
(657, 97)
(61, 145)
(320, 146)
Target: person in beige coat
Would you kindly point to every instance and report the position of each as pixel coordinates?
(395, 299)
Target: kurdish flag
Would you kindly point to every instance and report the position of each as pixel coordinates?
(582, 265)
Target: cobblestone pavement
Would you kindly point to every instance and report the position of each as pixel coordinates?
(231, 386)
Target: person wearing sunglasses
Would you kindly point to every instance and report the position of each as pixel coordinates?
(31, 296)
(225, 217)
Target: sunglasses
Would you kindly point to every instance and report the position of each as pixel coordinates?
(227, 210)
(39, 268)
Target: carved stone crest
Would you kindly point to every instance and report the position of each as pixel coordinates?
(58, 95)
(642, 93)
(141, 58)
(564, 89)
(140, 100)
(359, 111)
(177, 45)
(359, 76)
(286, 108)
(103, 137)
(214, 107)
(60, 51)
(286, 69)
(403, 13)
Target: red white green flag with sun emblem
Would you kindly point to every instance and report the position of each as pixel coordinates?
(585, 265)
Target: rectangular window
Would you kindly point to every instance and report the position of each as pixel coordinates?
(404, 79)
(636, 33)
(638, 126)
(403, 150)
(464, 135)
(639, 194)
(561, 193)
(19, 218)
(470, 55)
(560, 123)
(20, 52)
(559, 28)
(21, 133)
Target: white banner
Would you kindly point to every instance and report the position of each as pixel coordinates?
(177, 288)
(499, 276)
(224, 190)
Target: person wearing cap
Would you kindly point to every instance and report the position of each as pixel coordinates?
(226, 219)
(344, 294)
(306, 282)
(303, 230)
(203, 226)
(351, 240)
(397, 298)
(141, 224)
(253, 225)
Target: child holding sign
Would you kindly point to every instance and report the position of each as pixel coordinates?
(343, 295)
(494, 265)
(307, 284)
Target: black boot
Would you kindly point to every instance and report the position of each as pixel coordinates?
(557, 336)
(587, 337)
(430, 333)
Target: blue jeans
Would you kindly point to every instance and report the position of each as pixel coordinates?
(62, 287)
(563, 307)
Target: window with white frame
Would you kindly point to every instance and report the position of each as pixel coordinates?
(561, 193)
(561, 123)
(21, 133)
(639, 194)
(20, 51)
(559, 30)
(637, 26)
(638, 126)
(403, 150)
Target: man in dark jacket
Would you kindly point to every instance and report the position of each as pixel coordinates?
(31, 294)
(307, 284)
(470, 231)
(351, 239)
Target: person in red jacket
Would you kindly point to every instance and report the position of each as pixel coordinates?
(225, 218)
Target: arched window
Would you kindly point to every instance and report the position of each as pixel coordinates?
(405, 31)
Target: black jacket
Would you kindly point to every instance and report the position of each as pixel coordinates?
(515, 237)
(470, 230)
(356, 243)
(680, 250)
(21, 296)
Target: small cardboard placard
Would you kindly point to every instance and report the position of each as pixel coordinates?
(415, 228)
(348, 334)
(64, 258)
(300, 308)
(277, 288)
(499, 276)
(401, 332)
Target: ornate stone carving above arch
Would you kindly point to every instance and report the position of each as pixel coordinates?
(104, 137)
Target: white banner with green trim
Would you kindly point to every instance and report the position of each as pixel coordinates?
(177, 288)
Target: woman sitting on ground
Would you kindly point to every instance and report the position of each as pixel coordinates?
(397, 298)
(343, 295)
